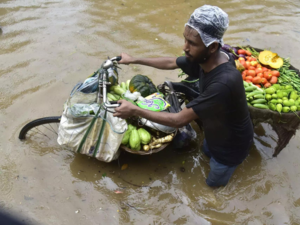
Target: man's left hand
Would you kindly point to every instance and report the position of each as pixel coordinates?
(125, 110)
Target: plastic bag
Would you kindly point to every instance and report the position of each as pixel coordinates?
(186, 133)
(87, 128)
(154, 102)
(89, 85)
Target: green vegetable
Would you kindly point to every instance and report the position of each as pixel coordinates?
(134, 140)
(245, 84)
(251, 88)
(274, 101)
(274, 96)
(279, 94)
(259, 96)
(286, 109)
(258, 101)
(110, 96)
(270, 90)
(145, 136)
(253, 93)
(285, 98)
(142, 84)
(279, 108)
(126, 136)
(298, 108)
(268, 96)
(272, 106)
(261, 106)
(279, 101)
(118, 90)
(131, 127)
(288, 87)
(286, 102)
(297, 103)
(292, 102)
(293, 95)
(123, 85)
(127, 84)
(277, 86)
(293, 108)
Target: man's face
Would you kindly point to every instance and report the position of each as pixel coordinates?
(194, 48)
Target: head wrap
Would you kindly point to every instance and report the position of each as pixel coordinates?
(210, 22)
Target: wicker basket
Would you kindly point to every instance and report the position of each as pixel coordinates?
(151, 151)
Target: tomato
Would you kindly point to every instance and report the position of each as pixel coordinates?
(241, 51)
(249, 78)
(248, 81)
(257, 85)
(248, 53)
(251, 68)
(273, 80)
(243, 63)
(244, 76)
(253, 63)
(251, 73)
(267, 75)
(244, 72)
(241, 59)
(256, 80)
(264, 69)
(247, 64)
(258, 70)
(259, 65)
(260, 75)
(275, 73)
(263, 80)
(267, 85)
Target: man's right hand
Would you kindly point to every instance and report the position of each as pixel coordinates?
(164, 63)
(126, 59)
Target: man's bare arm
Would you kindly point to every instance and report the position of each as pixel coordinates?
(163, 63)
(169, 119)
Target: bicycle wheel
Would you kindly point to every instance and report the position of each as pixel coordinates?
(46, 127)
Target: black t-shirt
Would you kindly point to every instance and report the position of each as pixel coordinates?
(223, 110)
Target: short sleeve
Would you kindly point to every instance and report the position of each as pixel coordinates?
(213, 101)
(189, 68)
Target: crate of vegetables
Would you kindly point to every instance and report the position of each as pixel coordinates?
(270, 81)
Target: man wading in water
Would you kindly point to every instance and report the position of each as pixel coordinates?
(221, 105)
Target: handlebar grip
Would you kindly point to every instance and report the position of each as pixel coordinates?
(114, 102)
(119, 58)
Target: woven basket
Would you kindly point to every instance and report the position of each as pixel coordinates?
(151, 151)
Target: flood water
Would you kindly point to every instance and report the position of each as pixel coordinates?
(46, 47)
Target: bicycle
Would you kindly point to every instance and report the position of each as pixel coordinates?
(47, 127)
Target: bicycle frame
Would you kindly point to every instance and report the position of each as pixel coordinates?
(103, 81)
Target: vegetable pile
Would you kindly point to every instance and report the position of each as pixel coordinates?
(138, 138)
(256, 73)
(277, 98)
(268, 80)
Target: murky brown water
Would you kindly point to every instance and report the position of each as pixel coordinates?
(46, 47)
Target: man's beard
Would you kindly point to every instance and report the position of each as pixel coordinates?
(204, 57)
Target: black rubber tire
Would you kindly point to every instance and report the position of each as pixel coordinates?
(37, 122)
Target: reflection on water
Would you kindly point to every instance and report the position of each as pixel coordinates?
(46, 47)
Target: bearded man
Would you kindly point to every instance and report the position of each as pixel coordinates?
(221, 104)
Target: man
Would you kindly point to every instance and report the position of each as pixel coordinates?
(221, 105)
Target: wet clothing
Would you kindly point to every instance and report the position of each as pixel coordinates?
(223, 110)
(219, 173)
